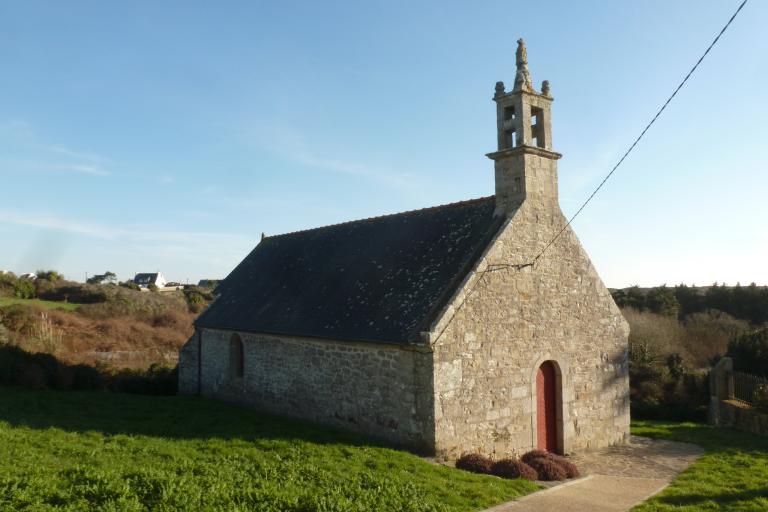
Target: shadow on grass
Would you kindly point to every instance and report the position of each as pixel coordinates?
(40, 370)
(44, 392)
(177, 417)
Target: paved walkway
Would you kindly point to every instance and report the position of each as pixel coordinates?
(616, 478)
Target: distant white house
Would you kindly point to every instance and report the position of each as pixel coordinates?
(146, 279)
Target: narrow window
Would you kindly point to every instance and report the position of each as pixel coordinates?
(537, 127)
(518, 185)
(236, 357)
(508, 127)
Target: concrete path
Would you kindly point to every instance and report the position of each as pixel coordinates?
(616, 478)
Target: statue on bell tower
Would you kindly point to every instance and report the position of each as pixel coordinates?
(524, 163)
(523, 77)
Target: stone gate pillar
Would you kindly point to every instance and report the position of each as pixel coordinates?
(720, 387)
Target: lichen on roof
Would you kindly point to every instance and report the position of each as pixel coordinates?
(378, 279)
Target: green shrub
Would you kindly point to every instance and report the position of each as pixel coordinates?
(24, 289)
(49, 275)
(75, 293)
(195, 298)
(750, 352)
(130, 285)
(8, 285)
(760, 397)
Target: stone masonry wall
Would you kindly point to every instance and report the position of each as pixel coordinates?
(742, 416)
(188, 366)
(489, 347)
(381, 390)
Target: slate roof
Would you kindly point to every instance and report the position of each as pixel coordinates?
(146, 278)
(380, 279)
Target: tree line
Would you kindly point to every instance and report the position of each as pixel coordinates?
(748, 303)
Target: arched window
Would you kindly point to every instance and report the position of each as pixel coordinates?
(236, 357)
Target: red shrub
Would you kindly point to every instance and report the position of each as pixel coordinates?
(548, 469)
(571, 471)
(513, 468)
(475, 463)
(535, 454)
(569, 467)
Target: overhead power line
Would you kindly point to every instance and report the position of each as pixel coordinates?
(653, 120)
(503, 266)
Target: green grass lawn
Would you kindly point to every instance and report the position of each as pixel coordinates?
(732, 475)
(7, 301)
(101, 451)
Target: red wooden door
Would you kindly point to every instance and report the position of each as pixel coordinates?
(546, 407)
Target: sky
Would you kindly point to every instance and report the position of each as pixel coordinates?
(144, 136)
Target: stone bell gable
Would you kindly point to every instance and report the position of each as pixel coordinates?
(464, 327)
(527, 303)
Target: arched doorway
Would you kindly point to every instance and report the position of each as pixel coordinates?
(546, 407)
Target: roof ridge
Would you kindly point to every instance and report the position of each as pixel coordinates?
(384, 216)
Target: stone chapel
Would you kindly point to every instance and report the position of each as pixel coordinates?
(436, 329)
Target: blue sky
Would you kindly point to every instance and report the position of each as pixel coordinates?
(143, 136)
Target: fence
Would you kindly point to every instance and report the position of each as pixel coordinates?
(745, 386)
(737, 400)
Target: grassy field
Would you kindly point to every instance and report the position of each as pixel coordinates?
(7, 301)
(99, 451)
(732, 476)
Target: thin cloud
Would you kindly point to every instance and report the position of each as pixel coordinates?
(25, 152)
(105, 232)
(290, 145)
(83, 169)
(79, 155)
(399, 180)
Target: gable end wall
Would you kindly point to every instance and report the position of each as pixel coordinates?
(487, 356)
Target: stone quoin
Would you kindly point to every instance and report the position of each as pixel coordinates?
(433, 329)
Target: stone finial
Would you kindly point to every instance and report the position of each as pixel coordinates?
(523, 77)
(545, 88)
(263, 236)
(499, 89)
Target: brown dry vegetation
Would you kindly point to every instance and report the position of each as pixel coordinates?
(670, 359)
(130, 330)
(699, 338)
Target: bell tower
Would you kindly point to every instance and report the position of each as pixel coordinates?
(525, 165)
